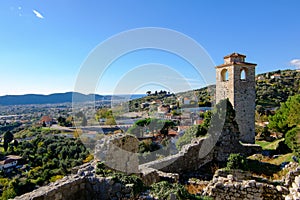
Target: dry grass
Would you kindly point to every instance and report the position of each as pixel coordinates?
(195, 189)
(282, 158)
(269, 145)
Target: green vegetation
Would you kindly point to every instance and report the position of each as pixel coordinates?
(135, 104)
(271, 91)
(67, 122)
(164, 189)
(144, 126)
(287, 116)
(137, 184)
(45, 159)
(286, 120)
(8, 137)
(195, 131)
(107, 115)
(281, 158)
(292, 140)
(269, 145)
(10, 127)
(35, 131)
(237, 161)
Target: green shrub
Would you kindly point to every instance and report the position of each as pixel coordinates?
(163, 190)
(292, 140)
(138, 185)
(237, 161)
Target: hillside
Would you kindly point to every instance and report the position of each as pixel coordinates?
(275, 87)
(271, 89)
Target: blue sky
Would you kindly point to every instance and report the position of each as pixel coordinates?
(43, 43)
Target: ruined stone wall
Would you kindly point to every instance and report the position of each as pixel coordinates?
(82, 186)
(292, 180)
(226, 188)
(186, 160)
(119, 152)
(235, 184)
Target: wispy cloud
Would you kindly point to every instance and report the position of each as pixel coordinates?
(296, 63)
(37, 14)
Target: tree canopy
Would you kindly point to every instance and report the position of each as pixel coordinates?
(287, 116)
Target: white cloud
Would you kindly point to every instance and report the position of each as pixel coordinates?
(296, 63)
(37, 14)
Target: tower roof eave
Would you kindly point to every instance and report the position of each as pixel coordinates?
(237, 63)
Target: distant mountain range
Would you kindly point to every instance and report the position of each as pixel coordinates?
(59, 98)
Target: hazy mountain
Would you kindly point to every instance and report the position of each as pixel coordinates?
(57, 98)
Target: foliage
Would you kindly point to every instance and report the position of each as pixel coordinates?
(265, 133)
(287, 116)
(143, 126)
(163, 190)
(269, 145)
(148, 146)
(101, 169)
(35, 131)
(8, 137)
(237, 161)
(10, 127)
(189, 134)
(89, 158)
(292, 140)
(107, 114)
(47, 158)
(286, 120)
(270, 91)
(67, 122)
(55, 178)
(138, 185)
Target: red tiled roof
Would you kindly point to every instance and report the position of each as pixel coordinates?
(171, 132)
(46, 119)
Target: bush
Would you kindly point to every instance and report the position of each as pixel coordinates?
(163, 190)
(292, 140)
(138, 185)
(237, 161)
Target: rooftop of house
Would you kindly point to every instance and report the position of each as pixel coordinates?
(46, 119)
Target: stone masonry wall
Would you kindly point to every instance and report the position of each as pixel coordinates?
(235, 185)
(82, 186)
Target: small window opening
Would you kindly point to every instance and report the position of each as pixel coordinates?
(243, 74)
(224, 75)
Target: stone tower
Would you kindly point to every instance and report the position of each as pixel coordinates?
(235, 80)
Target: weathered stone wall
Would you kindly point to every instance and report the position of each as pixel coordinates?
(186, 160)
(226, 188)
(70, 187)
(119, 152)
(82, 186)
(292, 181)
(235, 185)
